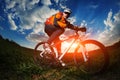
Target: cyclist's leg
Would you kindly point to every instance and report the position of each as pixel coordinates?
(58, 45)
(49, 29)
(54, 33)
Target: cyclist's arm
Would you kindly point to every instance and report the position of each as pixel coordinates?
(71, 26)
(83, 29)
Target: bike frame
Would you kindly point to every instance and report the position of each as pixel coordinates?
(74, 38)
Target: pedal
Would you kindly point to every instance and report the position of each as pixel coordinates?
(62, 63)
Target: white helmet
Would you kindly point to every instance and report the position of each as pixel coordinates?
(67, 11)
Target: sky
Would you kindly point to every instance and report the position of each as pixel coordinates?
(22, 21)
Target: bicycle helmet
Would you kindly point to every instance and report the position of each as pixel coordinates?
(67, 11)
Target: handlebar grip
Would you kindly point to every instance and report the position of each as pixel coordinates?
(83, 29)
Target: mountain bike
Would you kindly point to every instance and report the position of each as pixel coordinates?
(90, 56)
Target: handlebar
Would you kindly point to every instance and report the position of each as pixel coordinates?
(76, 35)
(76, 32)
(81, 35)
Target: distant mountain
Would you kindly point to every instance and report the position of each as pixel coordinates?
(7, 41)
(116, 45)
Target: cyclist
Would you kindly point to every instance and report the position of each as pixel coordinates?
(56, 24)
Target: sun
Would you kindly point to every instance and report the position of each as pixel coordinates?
(72, 48)
(88, 47)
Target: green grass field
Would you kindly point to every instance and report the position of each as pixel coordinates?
(16, 63)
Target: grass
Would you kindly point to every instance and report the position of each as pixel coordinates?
(16, 63)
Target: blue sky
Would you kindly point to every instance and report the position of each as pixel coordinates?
(23, 20)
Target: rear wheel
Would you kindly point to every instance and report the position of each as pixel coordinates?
(43, 57)
(97, 56)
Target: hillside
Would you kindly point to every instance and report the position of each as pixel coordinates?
(16, 63)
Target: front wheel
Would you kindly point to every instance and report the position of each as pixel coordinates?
(96, 54)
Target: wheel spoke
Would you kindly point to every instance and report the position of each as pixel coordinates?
(97, 57)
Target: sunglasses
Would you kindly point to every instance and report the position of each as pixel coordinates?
(67, 13)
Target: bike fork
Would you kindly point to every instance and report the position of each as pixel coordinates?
(85, 54)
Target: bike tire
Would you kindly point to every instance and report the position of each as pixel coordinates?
(87, 66)
(46, 60)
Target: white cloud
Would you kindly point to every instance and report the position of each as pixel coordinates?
(12, 23)
(28, 13)
(35, 21)
(108, 21)
(21, 9)
(83, 23)
(20, 5)
(46, 2)
(39, 27)
(72, 20)
(10, 4)
(56, 1)
(36, 37)
(111, 34)
(30, 18)
(33, 2)
(62, 4)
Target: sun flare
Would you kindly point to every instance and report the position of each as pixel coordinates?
(65, 45)
(72, 48)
